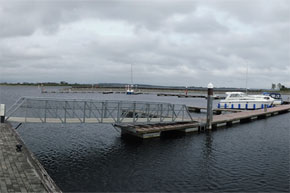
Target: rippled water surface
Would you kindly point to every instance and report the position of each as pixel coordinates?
(93, 157)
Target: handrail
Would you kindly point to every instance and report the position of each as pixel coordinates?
(86, 110)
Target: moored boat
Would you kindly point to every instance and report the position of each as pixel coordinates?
(130, 90)
(276, 96)
(240, 100)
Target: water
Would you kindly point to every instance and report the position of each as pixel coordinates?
(94, 158)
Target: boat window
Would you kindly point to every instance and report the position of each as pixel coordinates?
(275, 95)
(235, 95)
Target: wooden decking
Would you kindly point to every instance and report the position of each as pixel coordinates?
(245, 116)
(155, 130)
(215, 111)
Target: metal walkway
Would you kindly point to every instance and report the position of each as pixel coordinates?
(54, 110)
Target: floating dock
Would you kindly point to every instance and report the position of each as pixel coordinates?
(156, 130)
(189, 96)
(20, 171)
(215, 111)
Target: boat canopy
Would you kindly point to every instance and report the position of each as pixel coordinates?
(274, 95)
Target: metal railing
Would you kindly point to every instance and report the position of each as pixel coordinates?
(53, 110)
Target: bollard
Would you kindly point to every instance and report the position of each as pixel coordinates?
(2, 113)
(209, 106)
(265, 107)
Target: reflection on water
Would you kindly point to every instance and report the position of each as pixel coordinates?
(252, 157)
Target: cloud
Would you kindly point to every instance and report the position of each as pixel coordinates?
(168, 42)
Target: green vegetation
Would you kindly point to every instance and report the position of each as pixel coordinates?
(285, 89)
(280, 88)
(62, 83)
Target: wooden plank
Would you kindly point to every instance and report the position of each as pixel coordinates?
(218, 120)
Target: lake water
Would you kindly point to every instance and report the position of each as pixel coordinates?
(250, 157)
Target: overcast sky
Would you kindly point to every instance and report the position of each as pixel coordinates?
(186, 43)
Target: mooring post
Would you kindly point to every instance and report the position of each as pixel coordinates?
(2, 112)
(209, 106)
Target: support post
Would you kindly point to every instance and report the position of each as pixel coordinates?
(2, 112)
(209, 106)
(134, 112)
(84, 117)
(147, 112)
(118, 112)
(161, 112)
(173, 113)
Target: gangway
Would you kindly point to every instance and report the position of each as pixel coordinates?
(58, 110)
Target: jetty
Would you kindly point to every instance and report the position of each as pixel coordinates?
(155, 130)
(57, 110)
(136, 118)
(20, 171)
(215, 111)
(189, 96)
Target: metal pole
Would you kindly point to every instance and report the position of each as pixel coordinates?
(90, 112)
(247, 80)
(105, 110)
(147, 112)
(173, 112)
(45, 111)
(183, 109)
(65, 109)
(134, 111)
(161, 112)
(118, 112)
(84, 117)
(2, 112)
(26, 106)
(209, 106)
(103, 113)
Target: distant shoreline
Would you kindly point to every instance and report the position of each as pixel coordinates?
(140, 88)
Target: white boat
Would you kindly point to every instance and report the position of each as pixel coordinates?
(240, 100)
(130, 89)
(276, 96)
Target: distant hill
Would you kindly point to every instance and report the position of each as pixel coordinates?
(137, 86)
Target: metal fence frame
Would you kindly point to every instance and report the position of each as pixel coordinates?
(83, 109)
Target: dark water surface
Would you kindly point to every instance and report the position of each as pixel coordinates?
(251, 157)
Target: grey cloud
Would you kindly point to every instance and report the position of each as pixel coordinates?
(254, 12)
(25, 17)
(200, 25)
(50, 40)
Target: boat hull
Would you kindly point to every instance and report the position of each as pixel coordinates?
(277, 102)
(244, 105)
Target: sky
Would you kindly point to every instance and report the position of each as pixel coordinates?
(170, 43)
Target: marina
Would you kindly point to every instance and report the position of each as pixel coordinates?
(141, 119)
(142, 96)
(83, 139)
